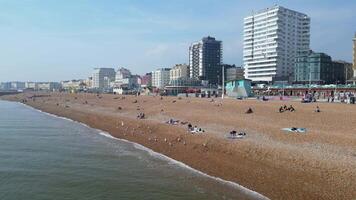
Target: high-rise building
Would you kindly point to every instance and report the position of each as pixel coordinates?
(102, 77)
(318, 68)
(273, 38)
(205, 59)
(160, 78)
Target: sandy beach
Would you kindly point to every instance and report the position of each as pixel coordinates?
(320, 164)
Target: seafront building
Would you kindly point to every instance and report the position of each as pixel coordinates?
(146, 80)
(179, 71)
(318, 68)
(273, 38)
(205, 59)
(233, 73)
(102, 78)
(160, 78)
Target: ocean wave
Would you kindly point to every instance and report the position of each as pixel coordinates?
(160, 156)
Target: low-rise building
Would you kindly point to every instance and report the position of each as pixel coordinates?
(146, 80)
(49, 86)
(318, 68)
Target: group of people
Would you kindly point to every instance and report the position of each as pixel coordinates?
(233, 134)
(194, 129)
(172, 122)
(285, 108)
(141, 116)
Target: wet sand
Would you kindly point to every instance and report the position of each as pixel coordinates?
(320, 164)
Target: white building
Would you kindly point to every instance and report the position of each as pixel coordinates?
(160, 78)
(102, 77)
(179, 71)
(273, 38)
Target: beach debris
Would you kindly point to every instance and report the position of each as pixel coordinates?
(135, 101)
(179, 98)
(184, 143)
(122, 123)
(295, 130)
(119, 108)
(174, 101)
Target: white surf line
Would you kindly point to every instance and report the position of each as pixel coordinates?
(159, 155)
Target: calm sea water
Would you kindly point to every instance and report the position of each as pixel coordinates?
(44, 157)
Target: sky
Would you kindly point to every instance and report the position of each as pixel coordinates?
(52, 40)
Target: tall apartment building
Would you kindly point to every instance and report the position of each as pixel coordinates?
(102, 77)
(160, 78)
(273, 38)
(205, 59)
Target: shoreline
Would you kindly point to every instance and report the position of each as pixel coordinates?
(153, 153)
(317, 165)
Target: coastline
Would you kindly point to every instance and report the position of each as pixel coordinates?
(266, 171)
(244, 190)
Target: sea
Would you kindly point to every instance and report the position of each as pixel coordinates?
(44, 157)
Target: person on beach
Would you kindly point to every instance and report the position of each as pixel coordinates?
(281, 109)
(291, 108)
(317, 109)
(249, 111)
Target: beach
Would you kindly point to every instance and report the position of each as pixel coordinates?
(318, 164)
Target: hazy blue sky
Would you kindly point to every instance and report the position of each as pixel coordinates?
(42, 40)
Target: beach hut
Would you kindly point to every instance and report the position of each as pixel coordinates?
(238, 88)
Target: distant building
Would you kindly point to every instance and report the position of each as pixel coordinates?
(73, 85)
(273, 38)
(347, 69)
(122, 73)
(318, 68)
(179, 71)
(160, 78)
(146, 80)
(232, 72)
(205, 59)
(102, 77)
(6, 86)
(31, 85)
(16, 85)
(48, 86)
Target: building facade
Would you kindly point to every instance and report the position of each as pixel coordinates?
(160, 78)
(146, 80)
(233, 73)
(205, 59)
(273, 38)
(318, 68)
(102, 77)
(179, 71)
